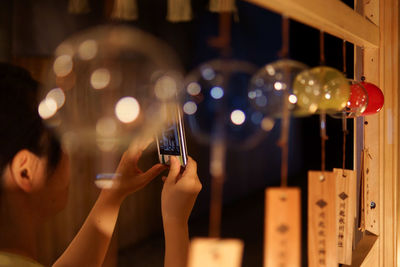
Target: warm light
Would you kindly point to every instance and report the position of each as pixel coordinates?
(63, 65)
(106, 127)
(270, 70)
(127, 109)
(190, 107)
(293, 99)
(57, 94)
(267, 124)
(217, 92)
(165, 87)
(193, 88)
(328, 96)
(238, 117)
(313, 107)
(100, 78)
(47, 108)
(87, 50)
(278, 86)
(305, 100)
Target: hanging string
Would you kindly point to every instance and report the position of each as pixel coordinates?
(218, 148)
(344, 119)
(362, 64)
(323, 139)
(323, 114)
(285, 123)
(344, 58)
(217, 171)
(361, 209)
(321, 48)
(285, 37)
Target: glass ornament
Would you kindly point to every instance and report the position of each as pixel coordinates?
(216, 104)
(271, 83)
(322, 89)
(108, 87)
(357, 102)
(375, 97)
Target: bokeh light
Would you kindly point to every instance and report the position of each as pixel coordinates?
(108, 87)
(127, 109)
(271, 84)
(238, 117)
(217, 102)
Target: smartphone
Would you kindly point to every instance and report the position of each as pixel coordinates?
(171, 141)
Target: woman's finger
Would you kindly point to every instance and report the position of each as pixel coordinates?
(174, 170)
(190, 169)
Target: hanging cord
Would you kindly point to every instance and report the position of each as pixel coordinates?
(324, 137)
(345, 132)
(323, 114)
(362, 64)
(217, 165)
(222, 41)
(285, 123)
(284, 53)
(321, 48)
(344, 119)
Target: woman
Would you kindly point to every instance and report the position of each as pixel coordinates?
(34, 186)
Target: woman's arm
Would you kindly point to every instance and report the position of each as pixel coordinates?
(90, 245)
(177, 200)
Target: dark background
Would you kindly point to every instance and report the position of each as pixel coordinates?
(256, 37)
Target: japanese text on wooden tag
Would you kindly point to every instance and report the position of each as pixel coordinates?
(346, 183)
(322, 237)
(213, 252)
(282, 235)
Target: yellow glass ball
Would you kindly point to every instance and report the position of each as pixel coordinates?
(321, 89)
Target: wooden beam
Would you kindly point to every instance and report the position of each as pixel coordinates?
(389, 83)
(331, 16)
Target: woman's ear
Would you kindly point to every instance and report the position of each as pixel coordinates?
(23, 169)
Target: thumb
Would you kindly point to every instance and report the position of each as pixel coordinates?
(174, 170)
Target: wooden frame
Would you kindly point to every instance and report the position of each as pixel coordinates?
(374, 25)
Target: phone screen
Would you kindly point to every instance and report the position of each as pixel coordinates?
(169, 141)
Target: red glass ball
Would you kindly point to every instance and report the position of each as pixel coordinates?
(375, 99)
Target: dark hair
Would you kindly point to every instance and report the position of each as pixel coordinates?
(20, 124)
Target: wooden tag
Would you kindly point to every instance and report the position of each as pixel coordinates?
(346, 183)
(322, 237)
(213, 252)
(282, 235)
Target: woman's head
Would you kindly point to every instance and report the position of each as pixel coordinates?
(27, 148)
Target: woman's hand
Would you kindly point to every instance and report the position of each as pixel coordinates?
(129, 177)
(179, 192)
